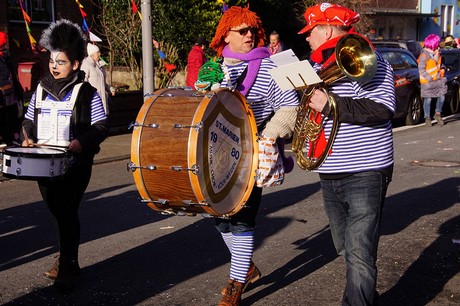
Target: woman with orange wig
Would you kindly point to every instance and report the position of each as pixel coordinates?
(239, 38)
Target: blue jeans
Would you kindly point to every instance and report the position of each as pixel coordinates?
(427, 106)
(354, 205)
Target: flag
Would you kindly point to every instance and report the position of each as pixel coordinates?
(93, 37)
(170, 67)
(134, 6)
(27, 21)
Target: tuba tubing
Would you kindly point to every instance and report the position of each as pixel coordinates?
(355, 59)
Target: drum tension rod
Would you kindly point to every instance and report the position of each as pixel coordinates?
(190, 203)
(136, 124)
(132, 167)
(197, 126)
(159, 201)
(195, 169)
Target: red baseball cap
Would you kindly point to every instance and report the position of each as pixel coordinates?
(330, 14)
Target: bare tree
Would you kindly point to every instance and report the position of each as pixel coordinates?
(359, 6)
(122, 30)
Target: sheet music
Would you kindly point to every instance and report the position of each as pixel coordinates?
(295, 75)
(284, 57)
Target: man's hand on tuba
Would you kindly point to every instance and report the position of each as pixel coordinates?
(318, 100)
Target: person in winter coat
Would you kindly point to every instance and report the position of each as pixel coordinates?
(196, 58)
(11, 96)
(432, 80)
(95, 73)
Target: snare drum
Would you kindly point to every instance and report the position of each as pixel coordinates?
(193, 152)
(31, 163)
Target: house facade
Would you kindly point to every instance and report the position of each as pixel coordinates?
(447, 20)
(13, 22)
(390, 19)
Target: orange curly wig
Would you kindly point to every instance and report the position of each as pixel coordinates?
(234, 17)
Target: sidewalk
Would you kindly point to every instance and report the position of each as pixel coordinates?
(114, 148)
(117, 147)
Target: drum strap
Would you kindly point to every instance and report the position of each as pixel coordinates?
(236, 84)
(240, 79)
(52, 127)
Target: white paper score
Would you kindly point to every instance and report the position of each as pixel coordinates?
(284, 57)
(295, 75)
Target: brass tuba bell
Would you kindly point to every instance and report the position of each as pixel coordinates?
(355, 59)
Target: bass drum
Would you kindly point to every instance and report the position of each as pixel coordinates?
(195, 153)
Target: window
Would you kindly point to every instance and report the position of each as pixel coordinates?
(409, 61)
(447, 19)
(41, 11)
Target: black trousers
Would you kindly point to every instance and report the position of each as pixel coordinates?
(244, 220)
(63, 197)
(9, 123)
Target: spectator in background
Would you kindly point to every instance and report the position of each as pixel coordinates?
(11, 96)
(432, 81)
(449, 42)
(196, 58)
(94, 68)
(275, 45)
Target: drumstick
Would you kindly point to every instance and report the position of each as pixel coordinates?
(49, 145)
(26, 138)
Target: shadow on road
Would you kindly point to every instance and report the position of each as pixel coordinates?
(148, 270)
(439, 262)
(32, 234)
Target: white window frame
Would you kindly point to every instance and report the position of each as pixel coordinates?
(447, 18)
(28, 8)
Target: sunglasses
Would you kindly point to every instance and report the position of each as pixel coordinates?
(245, 31)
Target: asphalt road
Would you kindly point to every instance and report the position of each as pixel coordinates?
(130, 255)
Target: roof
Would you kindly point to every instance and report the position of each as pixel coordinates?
(390, 12)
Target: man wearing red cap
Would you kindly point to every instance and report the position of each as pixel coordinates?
(239, 38)
(356, 173)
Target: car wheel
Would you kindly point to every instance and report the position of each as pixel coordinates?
(414, 112)
(455, 100)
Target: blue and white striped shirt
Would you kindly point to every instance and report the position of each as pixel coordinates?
(363, 147)
(265, 96)
(97, 108)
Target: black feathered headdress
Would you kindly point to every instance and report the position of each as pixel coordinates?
(65, 36)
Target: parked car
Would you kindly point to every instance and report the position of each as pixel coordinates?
(409, 44)
(409, 106)
(452, 63)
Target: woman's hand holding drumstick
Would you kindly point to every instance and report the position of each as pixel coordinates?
(26, 142)
(29, 143)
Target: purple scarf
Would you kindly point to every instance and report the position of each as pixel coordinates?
(254, 57)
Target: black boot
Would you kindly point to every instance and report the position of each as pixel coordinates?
(67, 274)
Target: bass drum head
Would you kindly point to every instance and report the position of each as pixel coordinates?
(225, 150)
